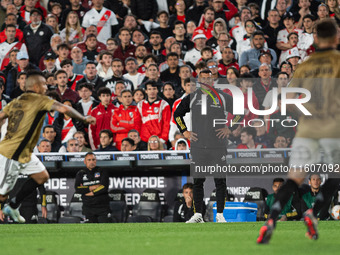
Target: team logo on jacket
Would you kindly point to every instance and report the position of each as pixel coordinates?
(85, 177)
(156, 109)
(131, 114)
(106, 16)
(96, 175)
(41, 33)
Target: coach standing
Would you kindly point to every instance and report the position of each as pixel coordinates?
(93, 184)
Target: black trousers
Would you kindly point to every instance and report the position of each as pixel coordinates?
(221, 186)
(97, 215)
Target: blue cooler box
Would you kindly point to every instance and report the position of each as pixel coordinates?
(238, 212)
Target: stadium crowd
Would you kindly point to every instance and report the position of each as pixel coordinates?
(129, 64)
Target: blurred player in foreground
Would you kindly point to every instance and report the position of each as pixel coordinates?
(26, 115)
(319, 131)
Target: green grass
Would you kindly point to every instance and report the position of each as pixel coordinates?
(165, 238)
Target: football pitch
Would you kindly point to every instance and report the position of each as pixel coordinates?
(165, 238)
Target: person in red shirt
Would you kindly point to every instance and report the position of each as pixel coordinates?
(73, 78)
(207, 23)
(155, 114)
(248, 135)
(228, 60)
(103, 114)
(126, 118)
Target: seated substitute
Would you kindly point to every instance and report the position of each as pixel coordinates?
(93, 183)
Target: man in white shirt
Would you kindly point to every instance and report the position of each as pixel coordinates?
(104, 67)
(103, 18)
(194, 54)
(131, 67)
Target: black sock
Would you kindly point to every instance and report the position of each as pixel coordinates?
(282, 197)
(29, 186)
(325, 195)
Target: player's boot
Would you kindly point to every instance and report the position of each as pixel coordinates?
(196, 218)
(14, 214)
(311, 223)
(220, 218)
(266, 232)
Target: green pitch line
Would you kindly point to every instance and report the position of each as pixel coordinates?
(165, 238)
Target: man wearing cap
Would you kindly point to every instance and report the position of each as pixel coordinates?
(7, 46)
(23, 65)
(49, 62)
(37, 37)
(282, 37)
(293, 40)
(105, 20)
(194, 54)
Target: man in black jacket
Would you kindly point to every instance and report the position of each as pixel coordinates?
(106, 138)
(93, 183)
(37, 37)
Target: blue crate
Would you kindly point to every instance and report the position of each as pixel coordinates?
(238, 212)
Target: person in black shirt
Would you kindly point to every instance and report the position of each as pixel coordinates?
(172, 73)
(140, 145)
(93, 183)
(106, 138)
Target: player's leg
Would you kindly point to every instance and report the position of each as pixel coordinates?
(221, 186)
(198, 193)
(104, 215)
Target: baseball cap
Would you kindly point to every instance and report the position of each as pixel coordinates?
(288, 15)
(198, 34)
(265, 52)
(36, 11)
(22, 55)
(50, 55)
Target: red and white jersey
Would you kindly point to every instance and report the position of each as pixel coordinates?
(257, 146)
(72, 82)
(283, 34)
(238, 32)
(103, 20)
(155, 119)
(305, 41)
(5, 49)
(68, 130)
(173, 125)
(192, 56)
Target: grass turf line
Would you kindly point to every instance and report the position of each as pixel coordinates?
(165, 238)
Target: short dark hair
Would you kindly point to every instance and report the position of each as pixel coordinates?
(208, 9)
(44, 140)
(63, 46)
(59, 72)
(123, 29)
(89, 153)
(286, 63)
(187, 80)
(257, 32)
(309, 16)
(188, 185)
(326, 29)
(126, 91)
(104, 52)
(129, 140)
(90, 63)
(48, 126)
(292, 33)
(250, 131)
(104, 91)
(278, 180)
(154, 58)
(151, 83)
(279, 73)
(134, 131)
(11, 25)
(117, 60)
(87, 85)
(207, 48)
(155, 32)
(66, 62)
(172, 54)
(106, 131)
(20, 74)
(141, 90)
(162, 12)
(90, 36)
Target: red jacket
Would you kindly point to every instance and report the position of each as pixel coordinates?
(207, 31)
(222, 68)
(124, 54)
(103, 117)
(257, 146)
(155, 119)
(123, 121)
(18, 35)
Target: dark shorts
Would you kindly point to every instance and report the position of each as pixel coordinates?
(97, 215)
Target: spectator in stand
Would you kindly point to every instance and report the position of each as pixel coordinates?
(220, 12)
(14, 19)
(238, 31)
(248, 135)
(172, 73)
(117, 69)
(82, 143)
(293, 40)
(282, 82)
(73, 78)
(323, 12)
(65, 126)
(207, 22)
(111, 45)
(271, 30)
(87, 102)
(275, 128)
(144, 10)
(65, 93)
(132, 74)
(130, 22)
(56, 9)
(168, 93)
(138, 95)
(91, 51)
(179, 15)
(37, 36)
(20, 87)
(164, 28)
(152, 74)
(52, 22)
(28, 7)
(155, 114)
(63, 53)
(190, 27)
(50, 134)
(23, 64)
(261, 132)
(49, 63)
(106, 138)
(264, 84)
(194, 54)
(103, 114)
(4, 99)
(92, 77)
(228, 60)
(126, 118)
(104, 18)
(244, 45)
(265, 58)
(156, 46)
(280, 142)
(293, 57)
(137, 38)
(75, 7)
(44, 146)
(179, 33)
(184, 73)
(220, 26)
(334, 10)
(8, 45)
(196, 10)
(140, 145)
(92, 29)
(72, 33)
(251, 56)
(104, 66)
(213, 67)
(72, 145)
(181, 145)
(306, 40)
(232, 75)
(140, 54)
(12, 62)
(244, 69)
(287, 68)
(125, 49)
(176, 48)
(155, 144)
(128, 144)
(120, 86)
